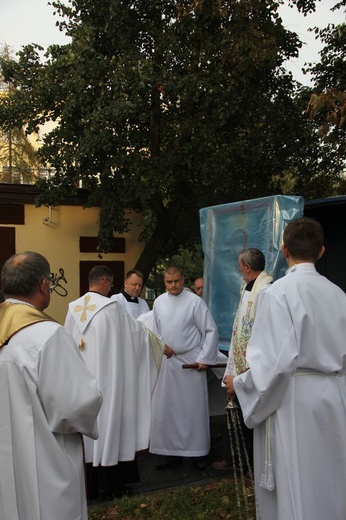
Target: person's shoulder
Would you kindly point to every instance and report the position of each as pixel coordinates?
(116, 315)
(143, 306)
(161, 299)
(39, 336)
(196, 301)
(276, 289)
(332, 287)
(188, 293)
(279, 284)
(119, 300)
(162, 296)
(108, 313)
(116, 297)
(265, 288)
(299, 276)
(192, 295)
(49, 332)
(107, 302)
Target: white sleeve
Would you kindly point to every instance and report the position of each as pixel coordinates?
(229, 367)
(67, 390)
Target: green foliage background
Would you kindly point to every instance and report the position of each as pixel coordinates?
(164, 107)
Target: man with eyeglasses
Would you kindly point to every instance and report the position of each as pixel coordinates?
(48, 399)
(118, 352)
(129, 297)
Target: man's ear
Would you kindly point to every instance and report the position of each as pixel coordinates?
(321, 253)
(42, 286)
(284, 250)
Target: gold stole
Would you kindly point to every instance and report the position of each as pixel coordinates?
(17, 316)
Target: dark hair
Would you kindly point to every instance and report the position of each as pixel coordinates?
(172, 269)
(134, 271)
(22, 273)
(252, 256)
(304, 238)
(98, 272)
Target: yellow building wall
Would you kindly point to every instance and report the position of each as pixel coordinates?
(58, 241)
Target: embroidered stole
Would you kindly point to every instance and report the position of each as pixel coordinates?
(15, 317)
(243, 323)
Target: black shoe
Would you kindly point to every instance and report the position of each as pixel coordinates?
(222, 465)
(170, 462)
(199, 463)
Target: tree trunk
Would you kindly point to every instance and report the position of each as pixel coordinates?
(154, 246)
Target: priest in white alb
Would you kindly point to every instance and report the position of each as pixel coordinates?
(255, 280)
(48, 399)
(180, 412)
(294, 392)
(129, 297)
(124, 358)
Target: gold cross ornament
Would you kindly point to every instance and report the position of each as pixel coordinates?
(85, 309)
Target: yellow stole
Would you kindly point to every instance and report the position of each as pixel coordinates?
(17, 316)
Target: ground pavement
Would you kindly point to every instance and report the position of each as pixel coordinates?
(153, 479)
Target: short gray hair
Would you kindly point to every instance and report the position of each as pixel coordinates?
(253, 257)
(22, 273)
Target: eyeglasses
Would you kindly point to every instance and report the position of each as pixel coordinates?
(110, 281)
(50, 280)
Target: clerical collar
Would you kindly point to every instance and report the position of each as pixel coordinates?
(131, 299)
(250, 285)
(97, 292)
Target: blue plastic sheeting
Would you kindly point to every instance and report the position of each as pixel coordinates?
(228, 228)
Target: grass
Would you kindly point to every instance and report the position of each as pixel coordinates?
(212, 501)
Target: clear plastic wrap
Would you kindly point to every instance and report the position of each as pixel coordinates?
(228, 228)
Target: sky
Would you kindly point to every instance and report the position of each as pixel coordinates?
(32, 21)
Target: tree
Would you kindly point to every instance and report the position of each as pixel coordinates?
(190, 260)
(317, 169)
(17, 154)
(324, 105)
(18, 158)
(327, 103)
(161, 107)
